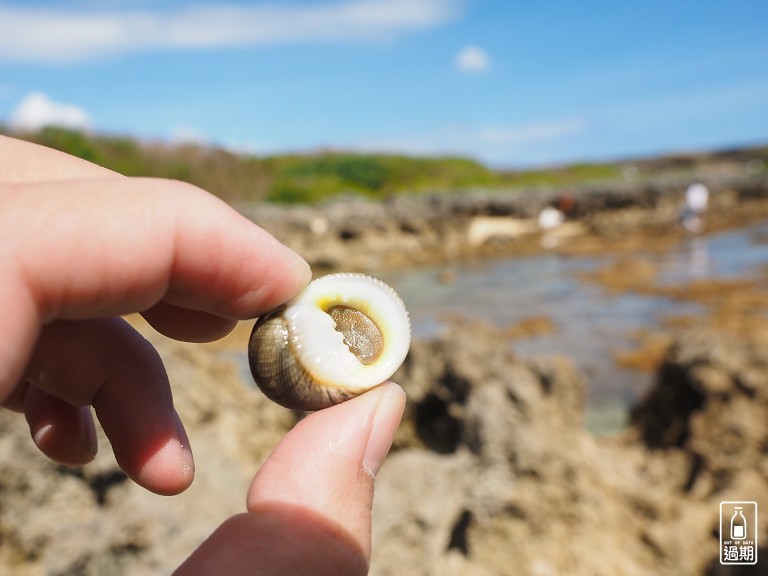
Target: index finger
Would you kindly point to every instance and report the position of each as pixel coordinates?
(101, 247)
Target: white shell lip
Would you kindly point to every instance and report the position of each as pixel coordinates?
(320, 348)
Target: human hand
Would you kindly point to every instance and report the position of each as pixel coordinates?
(309, 507)
(82, 245)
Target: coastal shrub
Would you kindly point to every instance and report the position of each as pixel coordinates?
(287, 178)
(571, 174)
(294, 189)
(311, 178)
(232, 177)
(317, 177)
(366, 173)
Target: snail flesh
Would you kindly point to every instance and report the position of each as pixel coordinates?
(343, 335)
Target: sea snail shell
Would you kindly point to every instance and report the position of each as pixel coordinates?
(343, 335)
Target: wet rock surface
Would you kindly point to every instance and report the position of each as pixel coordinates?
(492, 472)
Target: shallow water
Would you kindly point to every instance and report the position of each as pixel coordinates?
(591, 324)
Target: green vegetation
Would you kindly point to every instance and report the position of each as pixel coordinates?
(574, 173)
(227, 175)
(317, 177)
(285, 179)
(309, 178)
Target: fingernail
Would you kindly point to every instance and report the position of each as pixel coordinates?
(89, 431)
(386, 419)
(303, 273)
(188, 461)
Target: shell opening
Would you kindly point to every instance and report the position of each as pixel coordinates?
(361, 334)
(333, 351)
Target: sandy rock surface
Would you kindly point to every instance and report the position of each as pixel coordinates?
(492, 472)
(58, 520)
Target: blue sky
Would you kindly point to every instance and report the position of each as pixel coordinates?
(510, 83)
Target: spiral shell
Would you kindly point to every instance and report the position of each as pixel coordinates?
(343, 335)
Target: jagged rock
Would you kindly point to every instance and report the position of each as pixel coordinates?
(711, 400)
(493, 472)
(417, 506)
(536, 494)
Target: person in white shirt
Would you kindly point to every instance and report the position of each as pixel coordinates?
(692, 211)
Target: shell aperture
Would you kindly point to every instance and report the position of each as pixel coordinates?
(344, 334)
(361, 334)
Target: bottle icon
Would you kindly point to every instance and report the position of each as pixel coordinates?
(738, 525)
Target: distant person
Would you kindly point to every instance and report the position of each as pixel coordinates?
(550, 218)
(694, 207)
(566, 203)
(697, 198)
(80, 246)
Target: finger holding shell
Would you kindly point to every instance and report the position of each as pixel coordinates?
(343, 335)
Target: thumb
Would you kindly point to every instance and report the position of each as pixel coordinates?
(309, 507)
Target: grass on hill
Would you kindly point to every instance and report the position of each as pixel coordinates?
(303, 178)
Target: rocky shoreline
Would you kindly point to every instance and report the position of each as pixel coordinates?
(492, 471)
(357, 234)
(531, 492)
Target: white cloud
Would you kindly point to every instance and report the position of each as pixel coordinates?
(36, 110)
(54, 35)
(472, 59)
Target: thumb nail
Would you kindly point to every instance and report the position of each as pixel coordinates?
(386, 419)
(187, 459)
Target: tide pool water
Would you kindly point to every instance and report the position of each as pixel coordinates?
(590, 323)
